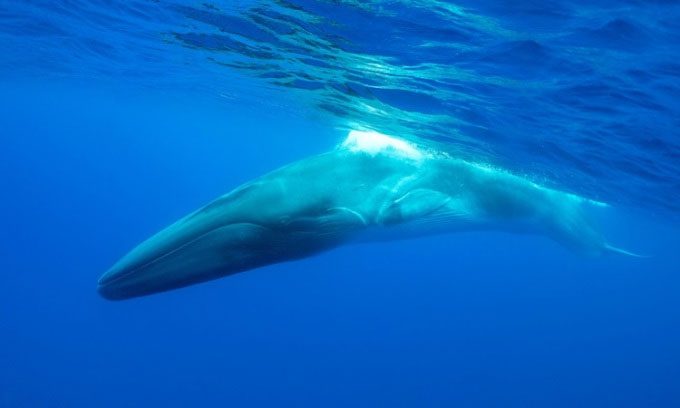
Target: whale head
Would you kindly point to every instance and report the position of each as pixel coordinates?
(190, 251)
(217, 240)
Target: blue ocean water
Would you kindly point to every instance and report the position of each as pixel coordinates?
(118, 117)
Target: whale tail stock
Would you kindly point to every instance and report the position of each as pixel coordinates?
(610, 249)
(574, 228)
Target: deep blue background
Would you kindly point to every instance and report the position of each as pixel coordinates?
(471, 320)
(117, 117)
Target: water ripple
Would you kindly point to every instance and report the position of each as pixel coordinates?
(581, 94)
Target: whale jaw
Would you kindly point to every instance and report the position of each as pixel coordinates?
(157, 266)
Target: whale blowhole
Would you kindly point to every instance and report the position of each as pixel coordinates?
(373, 143)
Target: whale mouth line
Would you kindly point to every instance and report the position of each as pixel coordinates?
(116, 277)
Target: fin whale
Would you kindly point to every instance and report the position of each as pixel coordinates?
(371, 187)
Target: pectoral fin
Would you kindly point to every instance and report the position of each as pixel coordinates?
(413, 205)
(333, 220)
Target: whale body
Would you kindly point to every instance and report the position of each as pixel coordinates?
(371, 187)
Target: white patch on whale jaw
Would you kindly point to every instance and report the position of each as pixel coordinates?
(373, 143)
